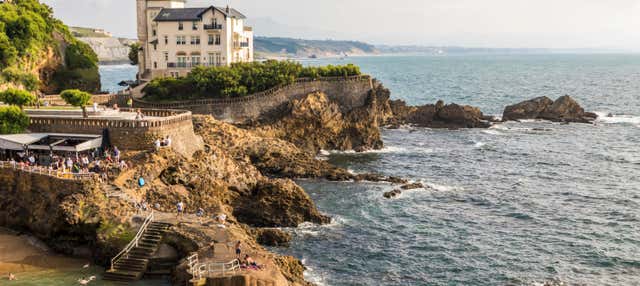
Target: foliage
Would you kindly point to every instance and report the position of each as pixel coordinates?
(17, 97)
(12, 120)
(78, 98)
(28, 80)
(240, 79)
(134, 48)
(27, 32)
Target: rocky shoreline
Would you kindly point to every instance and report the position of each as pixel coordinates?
(244, 172)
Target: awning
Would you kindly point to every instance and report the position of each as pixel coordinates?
(51, 141)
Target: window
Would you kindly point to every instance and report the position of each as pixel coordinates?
(195, 60)
(181, 40)
(182, 61)
(194, 25)
(214, 59)
(217, 40)
(153, 32)
(155, 47)
(195, 40)
(155, 65)
(166, 56)
(180, 26)
(166, 40)
(210, 42)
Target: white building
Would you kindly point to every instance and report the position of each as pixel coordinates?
(174, 38)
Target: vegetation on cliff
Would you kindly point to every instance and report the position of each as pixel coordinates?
(240, 79)
(12, 120)
(37, 51)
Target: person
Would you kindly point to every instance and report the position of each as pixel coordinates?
(130, 102)
(95, 107)
(115, 107)
(180, 208)
(123, 165)
(138, 115)
(200, 214)
(116, 153)
(32, 160)
(157, 144)
(212, 245)
(167, 141)
(238, 249)
(143, 205)
(250, 262)
(69, 163)
(85, 161)
(12, 277)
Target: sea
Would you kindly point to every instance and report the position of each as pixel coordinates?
(520, 203)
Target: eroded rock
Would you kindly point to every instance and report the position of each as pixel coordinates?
(563, 109)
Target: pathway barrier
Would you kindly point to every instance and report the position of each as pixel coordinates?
(48, 172)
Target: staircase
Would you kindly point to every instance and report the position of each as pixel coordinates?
(131, 263)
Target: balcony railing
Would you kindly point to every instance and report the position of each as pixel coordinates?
(239, 45)
(192, 65)
(213, 26)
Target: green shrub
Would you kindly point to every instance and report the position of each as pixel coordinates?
(80, 56)
(134, 49)
(17, 97)
(240, 79)
(28, 80)
(77, 98)
(12, 120)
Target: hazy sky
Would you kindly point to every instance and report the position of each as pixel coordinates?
(478, 23)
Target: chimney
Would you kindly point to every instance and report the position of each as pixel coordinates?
(228, 10)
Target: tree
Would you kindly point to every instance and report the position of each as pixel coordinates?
(12, 120)
(77, 98)
(133, 53)
(17, 97)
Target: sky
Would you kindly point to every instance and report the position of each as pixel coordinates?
(562, 24)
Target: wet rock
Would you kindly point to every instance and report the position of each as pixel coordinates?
(272, 237)
(292, 269)
(563, 109)
(439, 115)
(412, 186)
(392, 194)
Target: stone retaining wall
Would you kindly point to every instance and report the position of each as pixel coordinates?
(130, 134)
(349, 92)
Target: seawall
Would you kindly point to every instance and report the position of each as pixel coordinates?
(129, 134)
(349, 92)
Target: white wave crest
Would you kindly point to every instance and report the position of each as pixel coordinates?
(493, 132)
(444, 188)
(607, 118)
(312, 276)
(479, 144)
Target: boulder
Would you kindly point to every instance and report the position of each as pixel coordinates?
(529, 109)
(437, 115)
(272, 237)
(563, 109)
(392, 194)
(412, 186)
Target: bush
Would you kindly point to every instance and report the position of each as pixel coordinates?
(28, 80)
(77, 98)
(134, 49)
(240, 79)
(17, 97)
(12, 120)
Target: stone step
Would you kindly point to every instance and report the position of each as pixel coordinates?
(124, 267)
(121, 275)
(134, 260)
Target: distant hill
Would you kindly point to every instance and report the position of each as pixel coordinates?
(289, 47)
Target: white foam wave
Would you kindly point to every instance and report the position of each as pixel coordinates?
(479, 144)
(604, 117)
(444, 188)
(312, 229)
(311, 276)
(493, 132)
(388, 150)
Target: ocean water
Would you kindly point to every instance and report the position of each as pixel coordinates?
(516, 204)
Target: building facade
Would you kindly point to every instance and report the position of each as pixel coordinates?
(174, 39)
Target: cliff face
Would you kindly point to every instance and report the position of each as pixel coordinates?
(37, 51)
(109, 49)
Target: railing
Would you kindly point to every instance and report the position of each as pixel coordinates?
(48, 172)
(134, 242)
(223, 101)
(201, 270)
(192, 65)
(167, 117)
(213, 26)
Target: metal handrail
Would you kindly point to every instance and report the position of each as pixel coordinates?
(134, 242)
(48, 172)
(199, 270)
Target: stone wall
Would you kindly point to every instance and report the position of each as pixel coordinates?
(349, 92)
(130, 134)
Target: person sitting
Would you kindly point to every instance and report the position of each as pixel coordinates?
(251, 263)
(123, 165)
(12, 277)
(167, 141)
(157, 144)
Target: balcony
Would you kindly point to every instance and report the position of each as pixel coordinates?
(192, 65)
(240, 45)
(213, 26)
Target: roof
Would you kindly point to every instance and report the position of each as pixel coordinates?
(48, 141)
(193, 14)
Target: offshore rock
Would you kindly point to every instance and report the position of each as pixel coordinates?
(563, 109)
(437, 115)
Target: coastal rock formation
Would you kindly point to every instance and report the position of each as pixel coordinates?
(271, 236)
(396, 192)
(316, 122)
(437, 115)
(563, 109)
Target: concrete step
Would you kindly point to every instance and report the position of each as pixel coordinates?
(120, 275)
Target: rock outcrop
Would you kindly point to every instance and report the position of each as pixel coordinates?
(437, 115)
(563, 109)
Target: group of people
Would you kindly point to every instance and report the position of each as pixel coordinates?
(247, 262)
(97, 161)
(162, 142)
